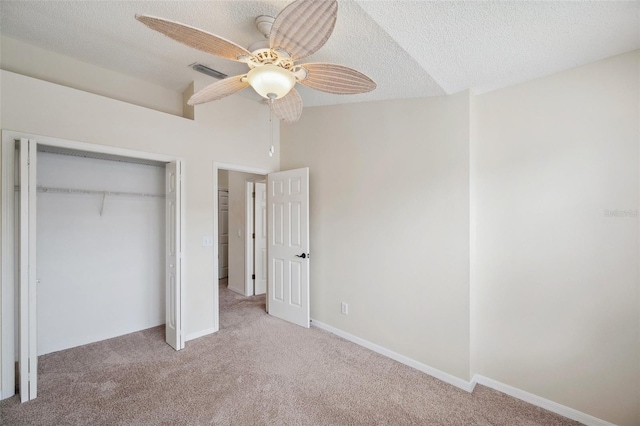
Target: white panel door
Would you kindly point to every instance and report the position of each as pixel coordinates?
(223, 233)
(288, 245)
(260, 241)
(173, 256)
(28, 337)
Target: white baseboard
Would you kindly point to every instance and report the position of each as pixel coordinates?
(538, 401)
(438, 374)
(192, 336)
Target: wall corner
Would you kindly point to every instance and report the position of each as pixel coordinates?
(188, 111)
(473, 323)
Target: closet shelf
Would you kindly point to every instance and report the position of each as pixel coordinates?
(93, 192)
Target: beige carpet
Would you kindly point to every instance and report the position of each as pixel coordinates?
(256, 370)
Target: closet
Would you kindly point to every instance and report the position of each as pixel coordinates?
(100, 246)
(92, 248)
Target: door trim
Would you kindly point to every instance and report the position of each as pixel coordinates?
(249, 190)
(260, 225)
(7, 346)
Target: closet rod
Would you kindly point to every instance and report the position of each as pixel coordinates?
(93, 192)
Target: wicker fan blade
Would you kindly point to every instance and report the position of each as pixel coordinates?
(219, 90)
(288, 108)
(303, 27)
(198, 39)
(338, 79)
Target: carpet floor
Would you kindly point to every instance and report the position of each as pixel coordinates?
(257, 370)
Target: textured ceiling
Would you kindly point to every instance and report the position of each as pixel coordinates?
(410, 48)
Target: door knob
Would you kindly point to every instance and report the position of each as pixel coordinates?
(303, 255)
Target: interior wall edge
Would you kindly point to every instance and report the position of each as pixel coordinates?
(473, 324)
(32, 61)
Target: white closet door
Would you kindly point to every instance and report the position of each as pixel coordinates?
(173, 302)
(28, 362)
(288, 253)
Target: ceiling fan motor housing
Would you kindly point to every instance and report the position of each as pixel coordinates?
(270, 56)
(264, 24)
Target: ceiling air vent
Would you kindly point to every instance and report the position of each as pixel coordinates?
(207, 71)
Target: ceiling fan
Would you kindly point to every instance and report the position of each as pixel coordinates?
(299, 30)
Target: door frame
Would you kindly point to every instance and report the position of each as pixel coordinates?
(7, 190)
(234, 168)
(257, 215)
(250, 218)
(249, 191)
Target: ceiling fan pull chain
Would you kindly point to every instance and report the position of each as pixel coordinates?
(271, 148)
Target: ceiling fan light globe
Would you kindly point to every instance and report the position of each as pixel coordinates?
(271, 81)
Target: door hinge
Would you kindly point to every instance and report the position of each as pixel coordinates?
(253, 195)
(253, 276)
(253, 235)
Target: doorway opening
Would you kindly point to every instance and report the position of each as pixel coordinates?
(287, 243)
(235, 233)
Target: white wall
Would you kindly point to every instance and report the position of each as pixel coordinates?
(389, 212)
(237, 226)
(100, 276)
(234, 130)
(26, 59)
(481, 221)
(557, 288)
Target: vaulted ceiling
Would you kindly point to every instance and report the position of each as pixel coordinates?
(410, 48)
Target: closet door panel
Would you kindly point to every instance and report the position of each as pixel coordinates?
(173, 256)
